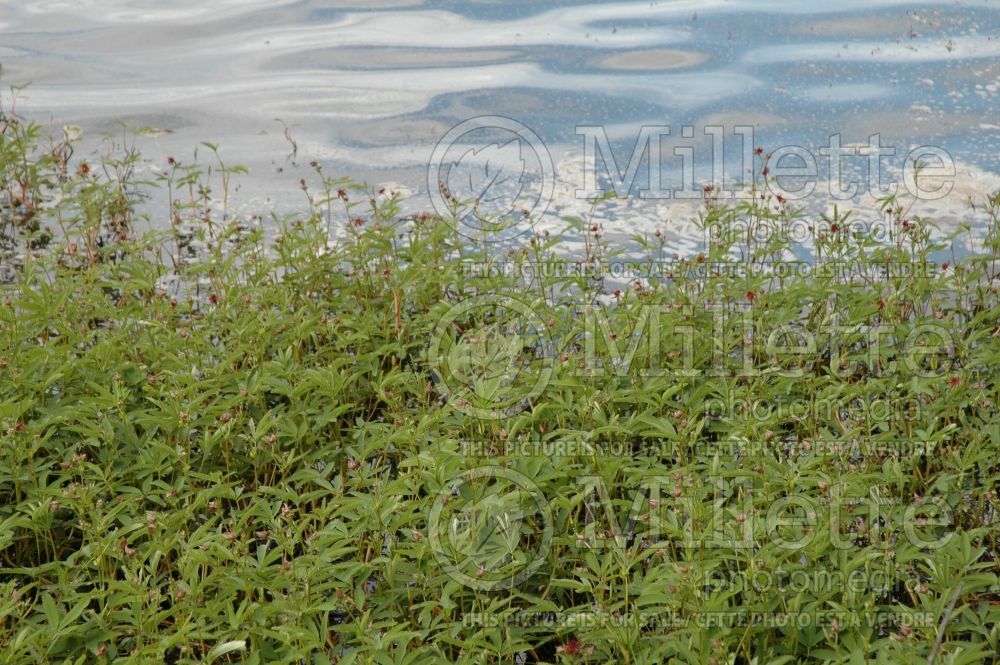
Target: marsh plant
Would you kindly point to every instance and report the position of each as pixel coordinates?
(222, 446)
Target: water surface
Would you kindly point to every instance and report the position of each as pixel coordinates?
(369, 88)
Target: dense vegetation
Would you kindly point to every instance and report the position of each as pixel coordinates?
(222, 446)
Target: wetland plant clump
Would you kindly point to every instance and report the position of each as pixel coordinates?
(219, 445)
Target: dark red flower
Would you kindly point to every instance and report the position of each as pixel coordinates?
(758, 151)
(751, 295)
(213, 299)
